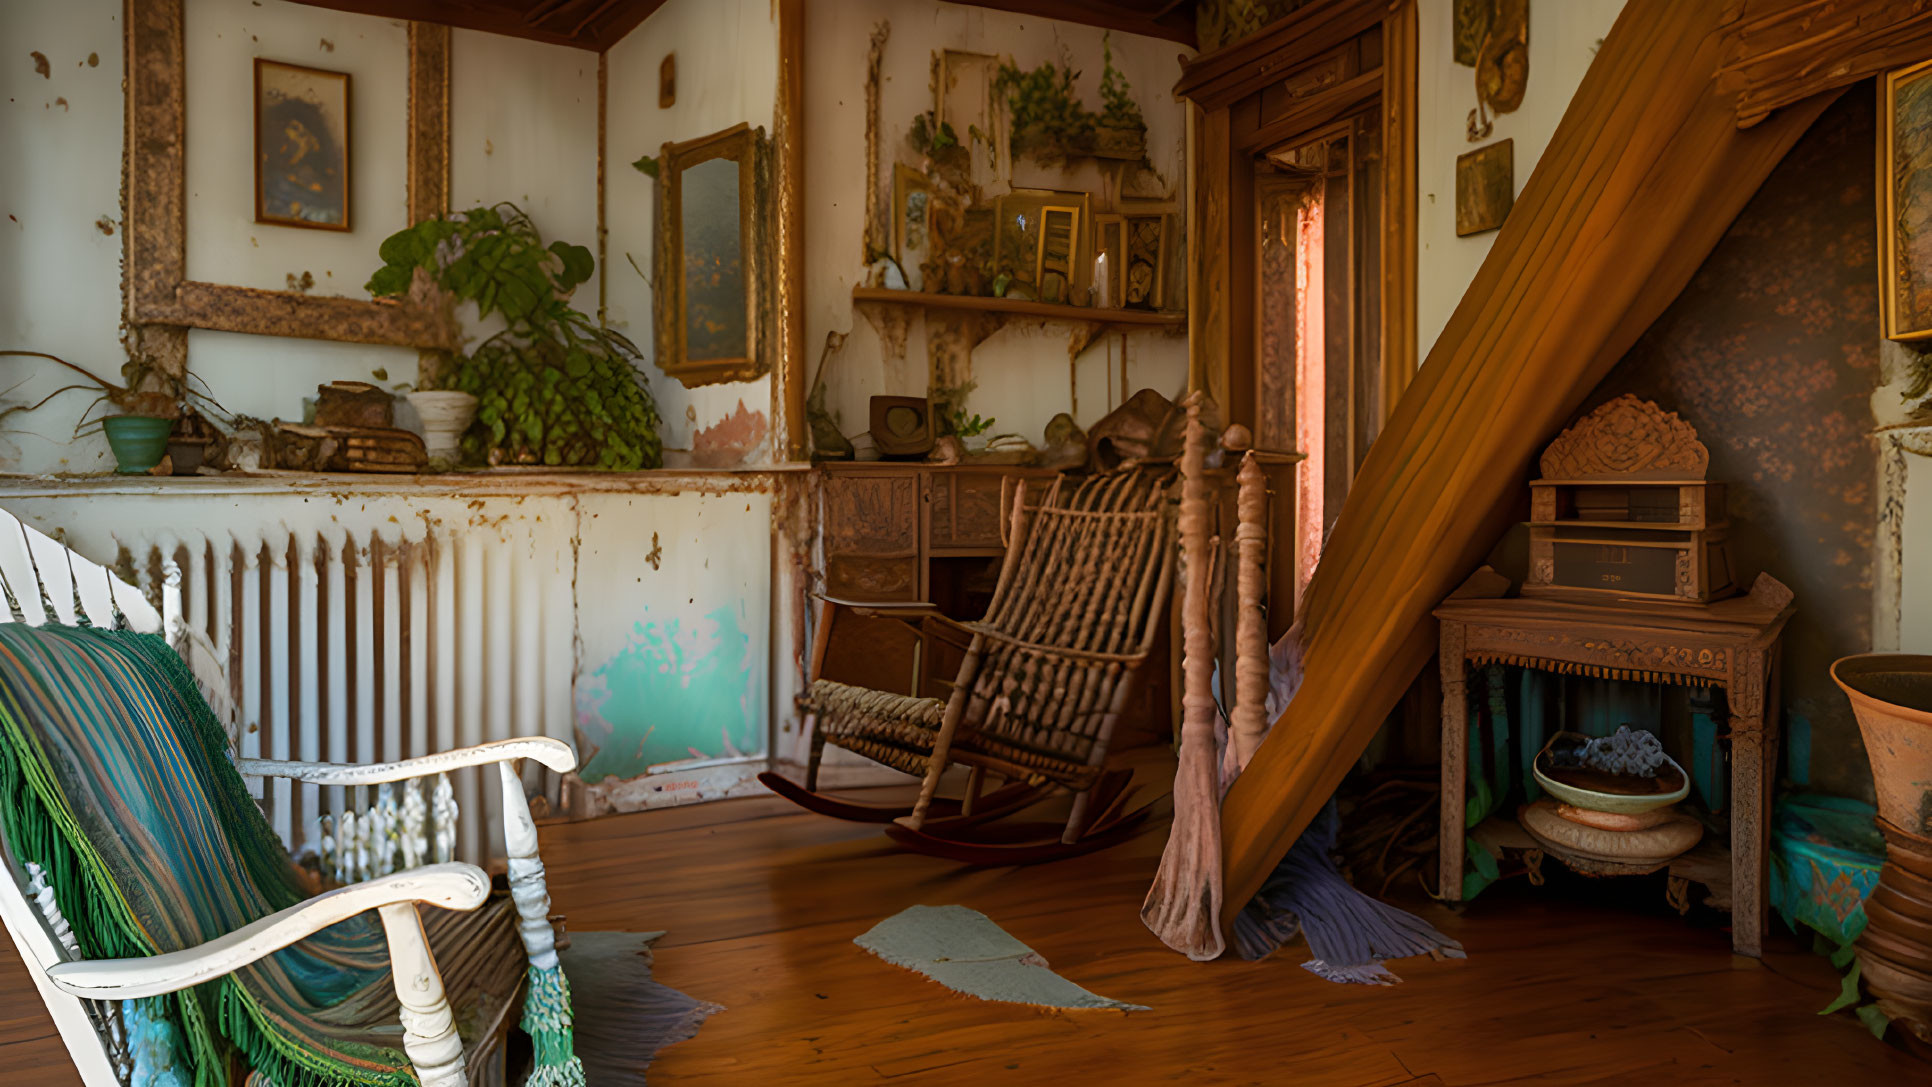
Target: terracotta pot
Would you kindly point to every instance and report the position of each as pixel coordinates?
(446, 415)
(1892, 695)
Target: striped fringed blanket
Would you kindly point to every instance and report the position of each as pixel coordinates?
(114, 777)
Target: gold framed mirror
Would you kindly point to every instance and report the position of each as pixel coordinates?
(712, 266)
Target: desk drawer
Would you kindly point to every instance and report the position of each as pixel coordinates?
(965, 509)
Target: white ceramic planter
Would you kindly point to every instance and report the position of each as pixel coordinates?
(445, 415)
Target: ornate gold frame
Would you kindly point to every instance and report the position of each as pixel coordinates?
(750, 150)
(1888, 308)
(162, 303)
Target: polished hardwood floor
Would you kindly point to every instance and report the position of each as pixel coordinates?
(762, 902)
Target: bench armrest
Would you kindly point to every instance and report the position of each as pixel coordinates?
(554, 754)
(450, 886)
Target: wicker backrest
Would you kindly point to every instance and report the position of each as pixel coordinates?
(1080, 600)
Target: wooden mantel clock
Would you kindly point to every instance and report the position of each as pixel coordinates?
(1623, 510)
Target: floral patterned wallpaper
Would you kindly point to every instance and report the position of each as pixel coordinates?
(1771, 352)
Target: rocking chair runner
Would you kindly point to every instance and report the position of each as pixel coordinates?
(1044, 682)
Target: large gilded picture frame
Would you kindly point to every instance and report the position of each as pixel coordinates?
(1905, 203)
(712, 264)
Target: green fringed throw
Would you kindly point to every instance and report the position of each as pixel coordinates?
(115, 778)
(547, 1020)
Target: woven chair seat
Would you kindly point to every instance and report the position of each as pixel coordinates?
(900, 731)
(895, 729)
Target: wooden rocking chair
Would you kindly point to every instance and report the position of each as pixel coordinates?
(1045, 679)
(457, 971)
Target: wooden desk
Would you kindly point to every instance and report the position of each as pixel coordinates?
(1731, 644)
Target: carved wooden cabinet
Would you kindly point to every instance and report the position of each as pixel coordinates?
(892, 531)
(911, 533)
(870, 522)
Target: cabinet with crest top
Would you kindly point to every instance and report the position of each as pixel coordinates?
(1624, 510)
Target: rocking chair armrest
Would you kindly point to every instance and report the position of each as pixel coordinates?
(554, 754)
(453, 886)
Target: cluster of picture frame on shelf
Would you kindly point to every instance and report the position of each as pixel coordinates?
(1044, 245)
(960, 227)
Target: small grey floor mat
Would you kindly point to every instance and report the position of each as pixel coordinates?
(623, 1016)
(965, 951)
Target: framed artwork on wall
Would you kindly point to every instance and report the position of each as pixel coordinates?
(1905, 204)
(711, 262)
(1485, 187)
(1040, 244)
(301, 146)
(1151, 241)
(911, 223)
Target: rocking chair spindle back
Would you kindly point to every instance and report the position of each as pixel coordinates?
(1044, 682)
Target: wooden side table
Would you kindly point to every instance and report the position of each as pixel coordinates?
(1732, 644)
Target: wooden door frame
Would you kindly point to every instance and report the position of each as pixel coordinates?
(1216, 85)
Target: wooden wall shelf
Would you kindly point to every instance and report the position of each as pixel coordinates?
(1014, 307)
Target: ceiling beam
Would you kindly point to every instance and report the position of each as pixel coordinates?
(1172, 21)
(596, 26)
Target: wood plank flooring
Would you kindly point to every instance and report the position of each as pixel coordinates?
(762, 902)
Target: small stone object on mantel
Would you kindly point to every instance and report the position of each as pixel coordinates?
(1066, 444)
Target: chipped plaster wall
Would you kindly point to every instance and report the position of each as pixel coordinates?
(651, 611)
(727, 72)
(1771, 352)
(1562, 41)
(60, 195)
(1022, 371)
(523, 128)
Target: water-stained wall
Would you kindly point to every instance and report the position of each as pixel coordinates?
(1771, 352)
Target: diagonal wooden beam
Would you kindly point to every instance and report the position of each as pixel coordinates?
(1644, 174)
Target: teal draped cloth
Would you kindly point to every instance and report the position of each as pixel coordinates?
(115, 778)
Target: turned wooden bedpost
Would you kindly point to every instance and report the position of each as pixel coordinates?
(527, 886)
(429, 1028)
(1183, 907)
(1249, 719)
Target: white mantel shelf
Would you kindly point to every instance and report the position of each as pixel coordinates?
(352, 484)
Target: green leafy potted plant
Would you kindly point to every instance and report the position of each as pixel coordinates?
(553, 388)
(1048, 122)
(1121, 130)
(149, 403)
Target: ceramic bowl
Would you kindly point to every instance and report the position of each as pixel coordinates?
(1620, 803)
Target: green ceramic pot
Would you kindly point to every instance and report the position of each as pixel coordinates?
(138, 441)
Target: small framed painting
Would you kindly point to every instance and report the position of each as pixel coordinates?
(1905, 204)
(911, 223)
(301, 146)
(1485, 187)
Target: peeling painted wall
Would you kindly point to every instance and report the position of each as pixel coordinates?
(1771, 352)
(652, 611)
(674, 630)
(727, 72)
(1022, 371)
(60, 175)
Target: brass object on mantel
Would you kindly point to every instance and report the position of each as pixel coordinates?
(1623, 510)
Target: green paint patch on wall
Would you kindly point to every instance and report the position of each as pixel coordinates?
(684, 688)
